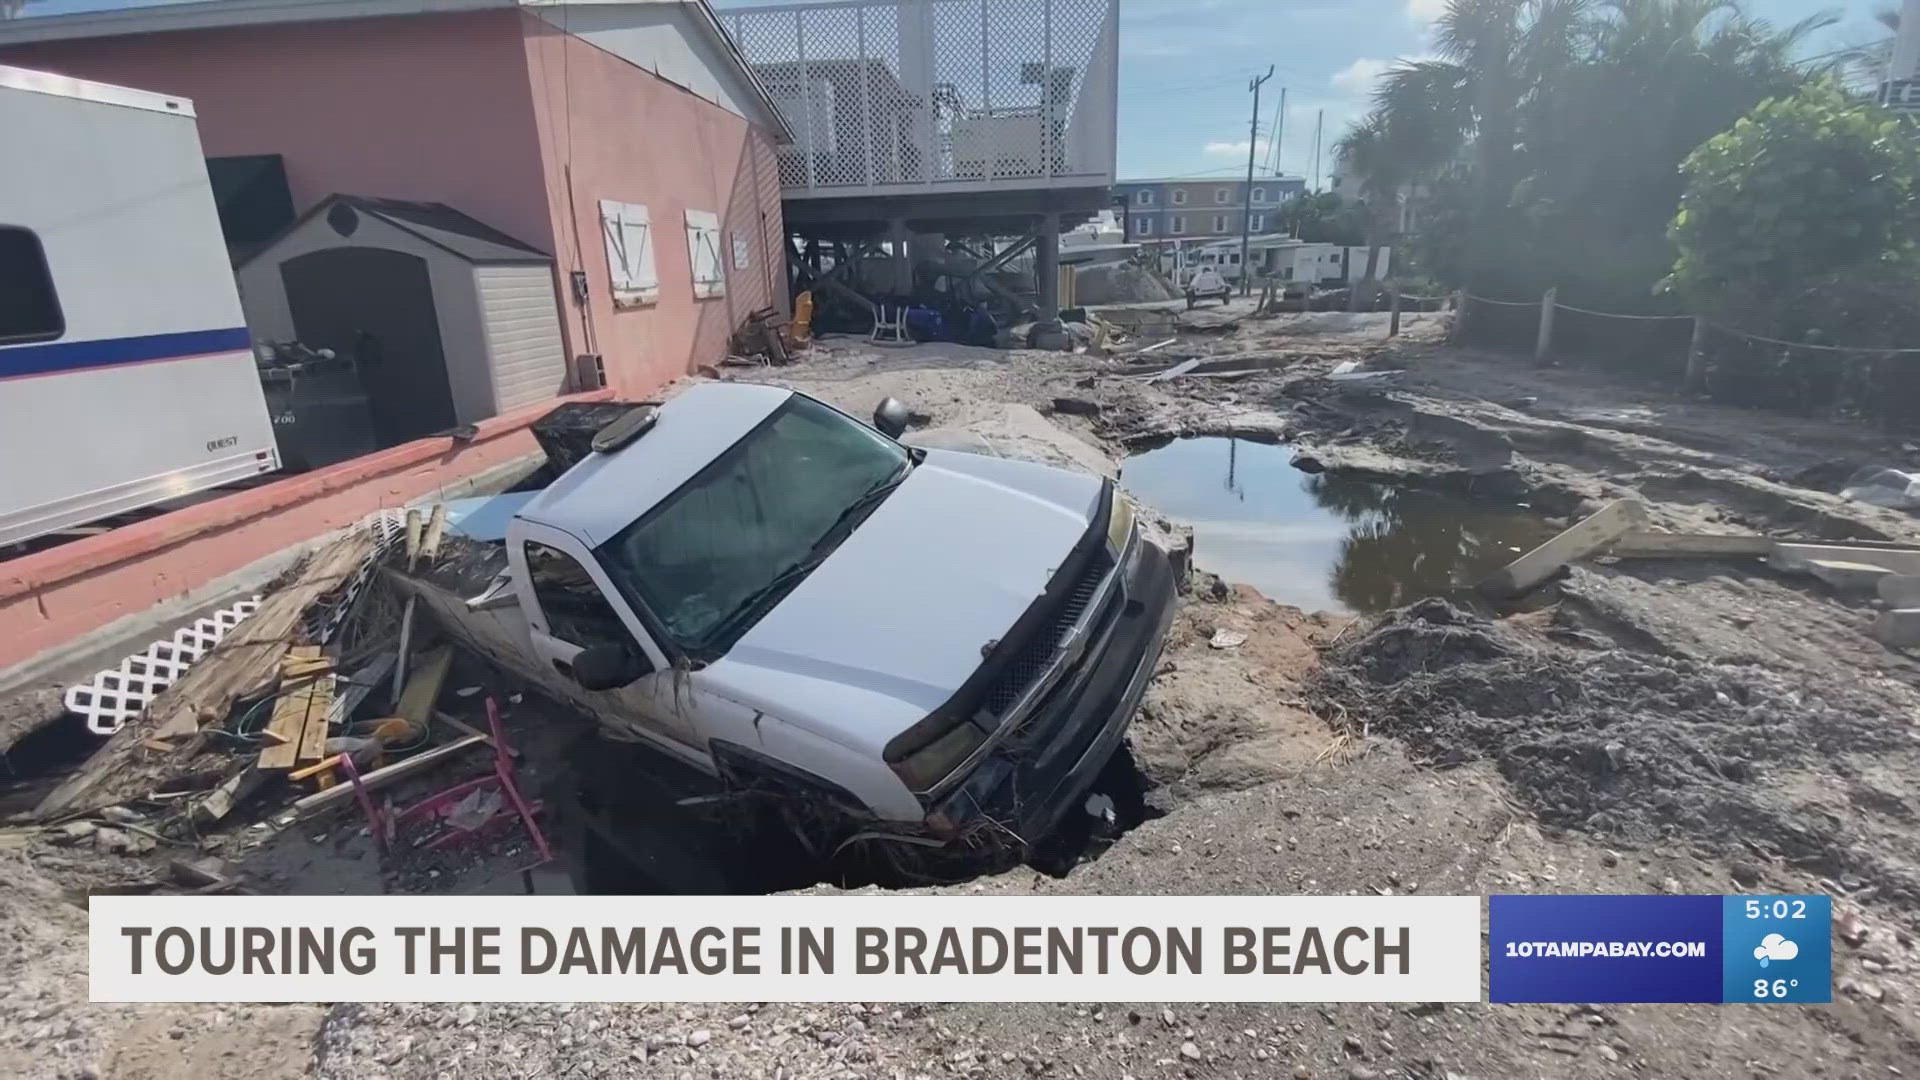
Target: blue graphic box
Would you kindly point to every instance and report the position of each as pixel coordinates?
(1704, 949)
(1535, 946)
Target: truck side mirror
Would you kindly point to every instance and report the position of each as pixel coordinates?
(607, 667)
(890, 418)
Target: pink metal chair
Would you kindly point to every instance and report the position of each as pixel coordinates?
(437, 812)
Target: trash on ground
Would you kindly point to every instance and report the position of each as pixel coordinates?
(1890, 488)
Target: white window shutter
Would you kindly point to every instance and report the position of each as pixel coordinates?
(616, 237)
(640, 266)
(703, 253)
(630, 265)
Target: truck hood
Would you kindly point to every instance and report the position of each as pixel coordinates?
(903, 611)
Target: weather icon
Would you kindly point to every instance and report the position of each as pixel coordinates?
(1774, 947)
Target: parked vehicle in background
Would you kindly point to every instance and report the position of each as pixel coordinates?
(126, 359)
(1207, 284)
(913, 656)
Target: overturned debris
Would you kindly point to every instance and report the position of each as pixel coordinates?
(154, 748)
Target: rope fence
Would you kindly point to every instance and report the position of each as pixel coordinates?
(1724, 361)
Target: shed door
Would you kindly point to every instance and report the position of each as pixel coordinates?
(376, 306)
(522, 323)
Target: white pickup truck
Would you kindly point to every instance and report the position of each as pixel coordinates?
(918, 655)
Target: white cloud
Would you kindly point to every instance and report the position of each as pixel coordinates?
(1358, 77)
(1426, 10)
(1233, 149)
(1775, 947)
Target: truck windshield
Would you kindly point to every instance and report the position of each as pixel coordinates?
(721, 551)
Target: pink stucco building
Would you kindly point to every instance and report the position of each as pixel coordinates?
(626, 143)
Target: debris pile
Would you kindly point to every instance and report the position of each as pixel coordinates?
(1621, 743)
(326, 694)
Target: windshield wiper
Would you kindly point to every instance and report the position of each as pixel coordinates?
(865, 501)
(751, 605)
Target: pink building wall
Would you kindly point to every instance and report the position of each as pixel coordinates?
(434, 108)
(610, 130)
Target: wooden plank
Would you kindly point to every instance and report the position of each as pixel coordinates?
(221, 800)
(423, 686)
(289, 721)
(436, 525)
(313, 736)
(1583, 538)
(244, 665)
(321, 766)
(414, 527)
(1643, 543)
(1176, 370)
(379, 778)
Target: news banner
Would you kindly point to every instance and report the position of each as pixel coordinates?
(1571, 948)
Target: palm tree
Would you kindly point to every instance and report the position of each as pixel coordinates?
(1568, 120)
(1495, 58)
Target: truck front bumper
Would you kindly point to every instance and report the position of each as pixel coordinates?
(1032, 780)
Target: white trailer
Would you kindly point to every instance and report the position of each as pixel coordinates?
(126, 372)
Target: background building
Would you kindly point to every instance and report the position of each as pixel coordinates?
(1177, 208)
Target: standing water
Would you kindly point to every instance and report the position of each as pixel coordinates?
(1318, 542)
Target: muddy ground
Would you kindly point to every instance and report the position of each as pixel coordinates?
(1685, 726)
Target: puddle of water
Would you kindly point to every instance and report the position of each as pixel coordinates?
(1318, 542)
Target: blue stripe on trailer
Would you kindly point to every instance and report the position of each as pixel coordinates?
(57, 356)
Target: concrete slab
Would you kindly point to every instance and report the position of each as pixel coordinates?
(1899, 629)
(1847, 576)
(1900, 590)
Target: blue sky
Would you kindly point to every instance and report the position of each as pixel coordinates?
(1184, 66)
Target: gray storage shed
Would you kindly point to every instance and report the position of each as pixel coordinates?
(448, 320)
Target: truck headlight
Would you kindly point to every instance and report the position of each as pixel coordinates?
(1119, 524)
(923, 769)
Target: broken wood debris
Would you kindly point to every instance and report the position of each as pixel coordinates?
(1890, 570)
(1585, 537)
(297, 731)
(245, 665)
(436, 527)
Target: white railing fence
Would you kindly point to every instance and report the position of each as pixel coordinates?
(889, 95)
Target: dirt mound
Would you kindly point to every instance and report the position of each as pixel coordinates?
(1120, 283)
(1638, 746)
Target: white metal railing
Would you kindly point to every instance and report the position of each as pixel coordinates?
(890, 96)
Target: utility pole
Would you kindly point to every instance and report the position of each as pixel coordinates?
(1246, 193)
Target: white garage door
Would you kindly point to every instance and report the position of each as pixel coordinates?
(522, 321)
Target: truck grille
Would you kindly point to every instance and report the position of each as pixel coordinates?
(1037, 653)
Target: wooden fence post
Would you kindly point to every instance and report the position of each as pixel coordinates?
(1458, 332)
(1696, 377)
(1544, 343)
(1393, 309)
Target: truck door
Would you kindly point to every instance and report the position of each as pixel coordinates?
(573, 607)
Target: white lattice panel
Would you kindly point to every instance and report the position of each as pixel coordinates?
(112, 697)
(918, 93)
